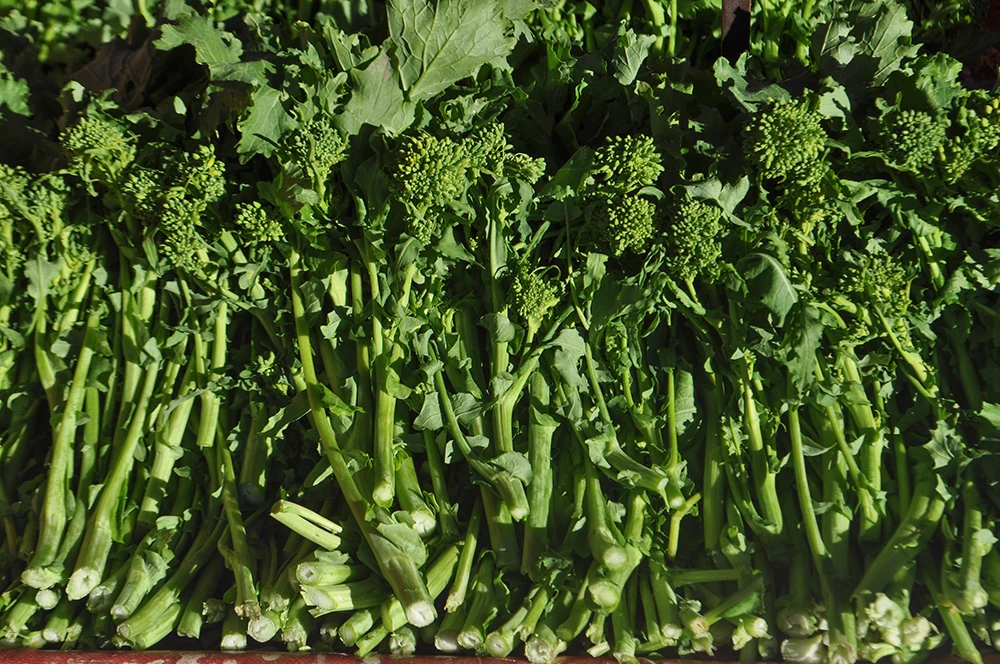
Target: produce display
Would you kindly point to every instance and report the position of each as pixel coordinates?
(505, 328)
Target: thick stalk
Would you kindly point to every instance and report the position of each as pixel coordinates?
(439, 484)
(241, 562)
(168, 450)
(52, 523)
(541, 429)
(916, 527)
(93, 556)
(460, 586)
(397, 568)
(765, 478)
(713, 512)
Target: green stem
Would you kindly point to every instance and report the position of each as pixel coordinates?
(916, 527)
(541, 429)
(397, 568)
(93, 556)
(713, 477)
(759, 463)
(439, 484)
(52, 523)
(460, 586)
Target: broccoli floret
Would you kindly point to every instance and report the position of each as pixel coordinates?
(692, 245)
(524, 167)
(427, 175)
(180, 243)
(627, 223)
(534, 296)
(977, 121)
(98, 150)
(14, 182)
(170, 190)
(198, 173)
(881, 279)
(487, 148)
(489, 151)
(624, 164)
(910, 139)
(784, 139)
(265, 375)
(140, 191)
(257, 224)
(312, 150)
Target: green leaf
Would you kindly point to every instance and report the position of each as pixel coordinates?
(571, 178)
(597, 450)
(217, 49)
(404, 538)
(337, 406)
(467, 408)
(515, 464)
(430, 417)
(746, 92)
(768, 284)
(569, 347)
(631, 50)
(685, 404)
(377, 99)
(264, 124)
(14, 92)
(499, 327)
(989, 415)
(862, 48)
(805, 332)
(441, 42)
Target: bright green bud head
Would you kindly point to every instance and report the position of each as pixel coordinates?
(257, 224)
(693, 249)
(626, 163)
(911, 139)
(428, 171)
(98, 149)
(784, 138)
(627, 223)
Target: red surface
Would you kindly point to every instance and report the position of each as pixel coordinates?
(22, 656)
(17, 656)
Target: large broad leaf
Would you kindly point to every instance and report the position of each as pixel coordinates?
(376, 99)
(631, 50)
(264, 124)
(14, 92)
(220, 51)
(440, 42)
(866, 44)
(768, 284)
(746, 91)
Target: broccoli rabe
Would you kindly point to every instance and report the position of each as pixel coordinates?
(172, 190)
(975, 135)
(428, 173)
(624, 221)
(624, 164)
(523, 167)
(256, 223)
(691, 240)
(880, 279)
(98, 150)
(784, 139)
(534, 297)
(310, 152)
(910, 139)
(627, 223)
(487, 148)
(13, 181)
